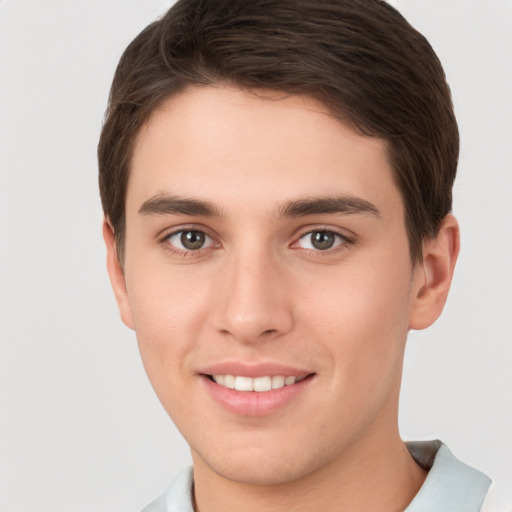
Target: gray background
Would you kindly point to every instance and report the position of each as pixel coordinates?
(80, 429)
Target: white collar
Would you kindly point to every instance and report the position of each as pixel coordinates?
(450, 485)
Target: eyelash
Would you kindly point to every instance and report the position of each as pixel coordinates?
(183, 252)
(343, 242)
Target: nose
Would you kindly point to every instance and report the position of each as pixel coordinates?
(254, 301)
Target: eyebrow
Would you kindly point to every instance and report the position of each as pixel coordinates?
(328, 205)
(175, 205)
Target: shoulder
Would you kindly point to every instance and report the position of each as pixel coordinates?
(177, 497)
(158, 505)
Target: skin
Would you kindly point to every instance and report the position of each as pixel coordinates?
(259, 291)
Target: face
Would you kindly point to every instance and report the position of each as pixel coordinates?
(268, 279)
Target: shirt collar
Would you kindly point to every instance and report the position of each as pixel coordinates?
(450, 484)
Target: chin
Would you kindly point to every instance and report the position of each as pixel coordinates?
(265, 467)
(250, 474)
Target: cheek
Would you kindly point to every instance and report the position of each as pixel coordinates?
(169, 311)
(165, 300)
(362, 320)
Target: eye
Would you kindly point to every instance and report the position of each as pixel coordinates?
(321, 240)
(189, 240)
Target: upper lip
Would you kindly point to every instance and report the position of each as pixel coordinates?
(260, 369)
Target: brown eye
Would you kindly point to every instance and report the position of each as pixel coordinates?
(192, 240)
(189, 240)
(320, 240)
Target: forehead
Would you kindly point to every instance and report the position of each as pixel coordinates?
(253, 147)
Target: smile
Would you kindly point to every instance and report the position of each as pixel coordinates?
(258, 384)
(257, 395)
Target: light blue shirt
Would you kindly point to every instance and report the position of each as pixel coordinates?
(450, 486)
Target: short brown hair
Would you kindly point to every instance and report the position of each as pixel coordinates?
(360, 58)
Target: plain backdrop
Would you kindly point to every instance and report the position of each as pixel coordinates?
(80, 428)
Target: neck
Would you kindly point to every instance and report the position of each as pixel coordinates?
(375, 470)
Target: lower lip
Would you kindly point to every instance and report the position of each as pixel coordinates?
(255, 403)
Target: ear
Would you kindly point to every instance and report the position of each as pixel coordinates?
(432, 279)
(116, 274)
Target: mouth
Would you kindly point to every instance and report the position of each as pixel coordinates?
(259, 394)
(256, 384)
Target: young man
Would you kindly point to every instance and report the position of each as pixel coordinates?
(276, 178)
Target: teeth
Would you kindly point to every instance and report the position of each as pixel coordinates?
(259, 384)
(243, 384)
(229, 381)
(278, 381)
(262, 384)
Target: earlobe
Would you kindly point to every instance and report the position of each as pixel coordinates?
(433, 278)
(116, 274)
